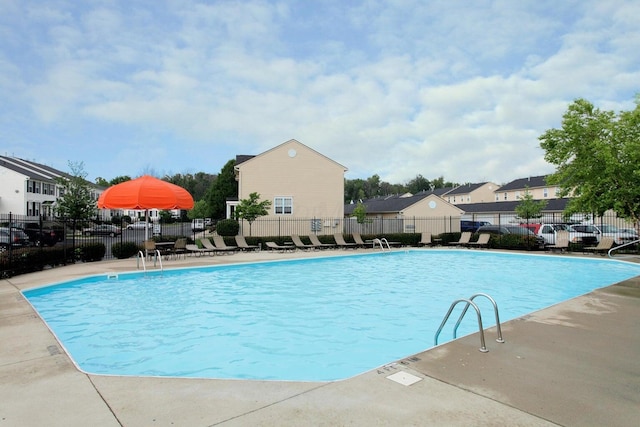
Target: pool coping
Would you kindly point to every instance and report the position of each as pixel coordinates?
(570, 364)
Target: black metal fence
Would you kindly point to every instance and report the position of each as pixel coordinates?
(72, 237)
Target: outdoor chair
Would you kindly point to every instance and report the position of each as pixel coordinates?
(561, 242)
(425, 239)
(298, 243)
(602, 247)
(276, 247)
(339, 238)
(244, 246)
(220, 245)
(465, 238)
(482, 242)
(318, 244)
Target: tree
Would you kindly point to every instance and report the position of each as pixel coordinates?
(200, 210)
(596, 154)
(528, 208)
(418, 184)
(360, 212)
(76, 201)
(224, 187)
(252, 208)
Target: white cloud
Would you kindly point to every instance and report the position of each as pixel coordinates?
(395, 89)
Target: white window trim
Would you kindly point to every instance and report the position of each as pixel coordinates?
(279, 202)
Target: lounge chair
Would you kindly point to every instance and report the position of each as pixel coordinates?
(603, 246)
(244, 246)
(561, 242)
(298, 243)
(276, 247)
(179, 247)
(358, 239)
(220, 244)
(482, 242)
(318, 244)
(465, 237)
(194, 249)
(339, 238)
(214, 247)
(425, 239)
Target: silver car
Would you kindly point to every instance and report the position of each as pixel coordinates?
(12, 237)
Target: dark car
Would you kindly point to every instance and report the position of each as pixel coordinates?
(471, 226)
(102, 230)
(511, 229)
(12, 237)
(46, 234)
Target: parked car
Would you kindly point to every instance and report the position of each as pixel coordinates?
(12, 237)
(549, 231)
(49, 233)
(619, 237)
(510, 229)
(631, 231)
(472, 226)
(102, 230)
(140, 225)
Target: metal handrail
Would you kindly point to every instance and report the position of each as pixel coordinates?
(380, 242)
(495, 310)
(138, 258)
(621, 246)
(483, 347)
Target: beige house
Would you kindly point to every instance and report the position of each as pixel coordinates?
(472, 193)
(536, 185)
(408, 213)
(305, 188)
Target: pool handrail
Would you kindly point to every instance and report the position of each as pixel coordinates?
(483, 347)
(622, 246)
(495, 310)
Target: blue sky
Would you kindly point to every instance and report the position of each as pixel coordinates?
(459, 89)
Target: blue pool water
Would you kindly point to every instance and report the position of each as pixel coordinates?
(310, 320)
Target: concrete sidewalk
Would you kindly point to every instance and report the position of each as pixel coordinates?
(576, 363)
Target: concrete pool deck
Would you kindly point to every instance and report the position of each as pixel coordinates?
(574, 364)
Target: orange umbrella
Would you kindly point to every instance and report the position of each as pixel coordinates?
(145, 192)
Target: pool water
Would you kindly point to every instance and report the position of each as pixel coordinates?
(318, 319)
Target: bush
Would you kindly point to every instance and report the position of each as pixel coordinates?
(124, 250)
(92, 252)
(228, 227)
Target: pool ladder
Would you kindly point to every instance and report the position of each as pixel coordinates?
(382, 242)
(156, 256)
(469, 302)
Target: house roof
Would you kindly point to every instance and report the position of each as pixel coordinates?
(33, 170)
(466, 188)
(531, 182)
(553, 205)
(244, 158)
(389, 204)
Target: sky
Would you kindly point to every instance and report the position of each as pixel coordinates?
(454, 88)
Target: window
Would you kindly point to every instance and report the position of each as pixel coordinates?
(545, 192)
(283, 205)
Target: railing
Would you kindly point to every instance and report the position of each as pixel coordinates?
(469, 302)
(635, 242)
(381, 242)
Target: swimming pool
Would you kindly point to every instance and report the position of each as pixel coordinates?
(317, 319)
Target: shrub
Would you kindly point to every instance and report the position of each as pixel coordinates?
(92, 252)
(228, 227)
(124, 250)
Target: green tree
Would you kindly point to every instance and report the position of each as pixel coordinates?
(252, 208)
(200, 210)
(76, 201)
(360, 212)
(596, 154)
(224, 187)
(418, 184)
(528, 208)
